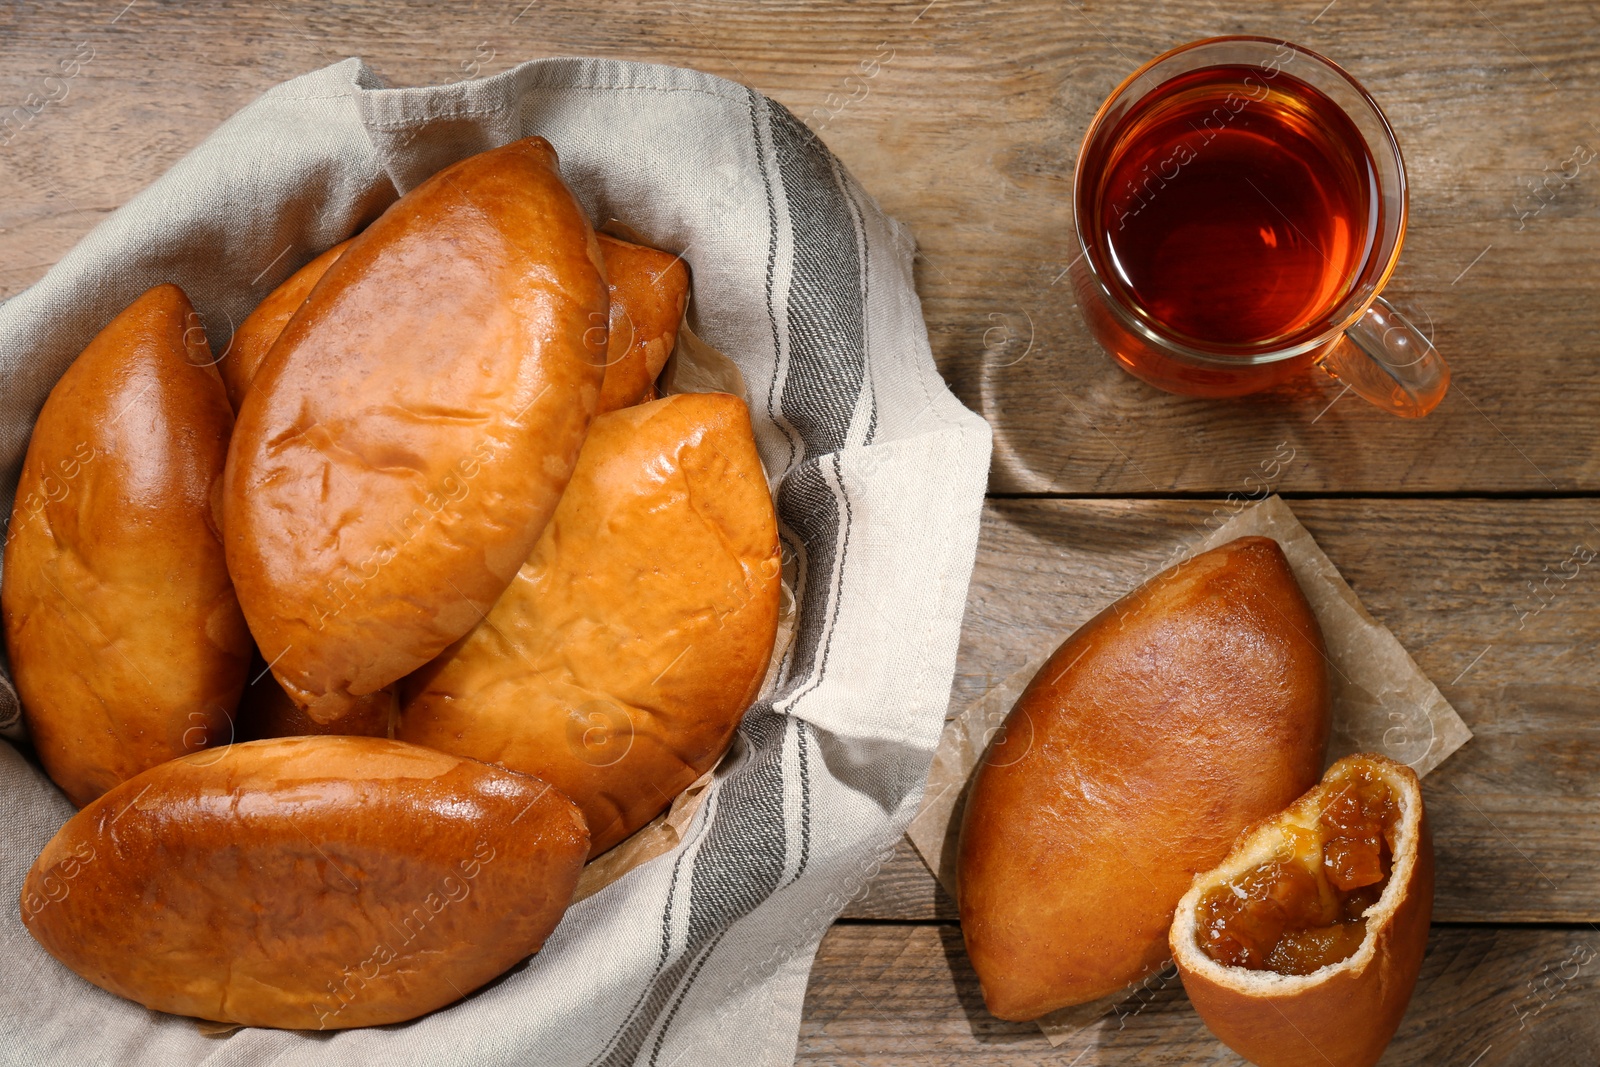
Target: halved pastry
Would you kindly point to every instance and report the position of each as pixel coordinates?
(1301, 949)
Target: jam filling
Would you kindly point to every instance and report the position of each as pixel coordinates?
(1305, 908)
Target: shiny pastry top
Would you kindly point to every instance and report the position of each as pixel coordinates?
(410, 432)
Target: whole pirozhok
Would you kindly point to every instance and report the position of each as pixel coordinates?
(1189, 709)
(420, 414)
(308, 882)
(125, 637)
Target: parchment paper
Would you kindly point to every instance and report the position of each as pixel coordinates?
(1382, 703)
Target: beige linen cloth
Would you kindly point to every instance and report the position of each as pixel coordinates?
(701, 955)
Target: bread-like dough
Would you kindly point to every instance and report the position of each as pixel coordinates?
(620, 660)
(126, 641)
(409, 434)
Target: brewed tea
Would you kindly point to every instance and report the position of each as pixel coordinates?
(1236, 207)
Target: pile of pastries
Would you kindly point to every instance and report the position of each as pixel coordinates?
(354, 643)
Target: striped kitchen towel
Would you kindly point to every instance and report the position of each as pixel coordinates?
(699, 956)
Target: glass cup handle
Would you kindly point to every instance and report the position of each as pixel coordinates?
(1389, 362)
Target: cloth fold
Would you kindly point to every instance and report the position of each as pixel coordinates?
(699, 956)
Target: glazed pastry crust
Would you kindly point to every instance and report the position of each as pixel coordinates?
(411, 431)
(307, 882)
(649, 292)
(619, 663)
(1183, 713)
(126, 641)
(255, 336)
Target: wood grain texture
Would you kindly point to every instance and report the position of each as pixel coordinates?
(1472, 589)
(885, 995)
(903, 889)
(963, 118)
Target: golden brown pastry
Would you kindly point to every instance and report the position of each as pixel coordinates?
(1172, 720)
(265, 710)
(400, 451)
(307, 882)
(619, 662)
(649, 290)
(126, 642)
(254, 337)
(1302, 948)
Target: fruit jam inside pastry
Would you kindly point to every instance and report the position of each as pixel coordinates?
(1305, 908)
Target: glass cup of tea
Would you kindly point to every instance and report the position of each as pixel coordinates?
(1239, 203)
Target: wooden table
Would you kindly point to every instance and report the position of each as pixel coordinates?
(964, 118)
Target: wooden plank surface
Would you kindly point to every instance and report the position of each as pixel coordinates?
(903, 889)
(890, 994)
(963, 118)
